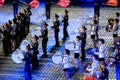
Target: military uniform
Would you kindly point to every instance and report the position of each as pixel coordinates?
(56, 31)
(44, 42)
(65, 33)
(83, 43)
(34, 55)
(47, 8)
(15, 7)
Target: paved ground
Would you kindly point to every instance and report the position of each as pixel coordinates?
(47, 69)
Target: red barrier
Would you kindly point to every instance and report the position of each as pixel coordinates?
(1, 3)
(34, 4)
(63, 3)
(112, 3)
(89, 78)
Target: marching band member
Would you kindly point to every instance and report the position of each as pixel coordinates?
(27, 60)
(66, 18)
(110, 24)
(101, 50)
(29, 13)
(5, 40)
(13, 33)
(115, 28)
(117, 57)
(83, 35)
(56, 29)
(96, 17)
(35, 63)
(117, 16)
(104, 71)
(47, 8)
(15, 7)
(94, 32)
(94, 65)
(66, 64)
(44, 40)
(77, 47)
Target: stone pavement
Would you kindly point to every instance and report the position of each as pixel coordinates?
(47, 69)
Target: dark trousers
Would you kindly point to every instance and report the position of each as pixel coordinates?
(27, 75)
(83, 49)
(57, 37)
(35, 63)
(118, 71)
(6, 46)
(47, 8)
(44, 45)
(15, 9)
(65, 33)
(97, 9)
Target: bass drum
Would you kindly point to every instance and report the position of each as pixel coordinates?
(23, 45)
(36, 31)
(57, 58)
(18, 56)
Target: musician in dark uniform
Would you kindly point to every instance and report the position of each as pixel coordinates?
(5, 40)
(44, 40)
(47, 8)
(65, 20)
(35, 52)
(115, 28)
(83, 40)
(56, 29)
(96, 7)
(27, 60)
(15, 7)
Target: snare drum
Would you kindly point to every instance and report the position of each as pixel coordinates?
(24, 44)
(36, 31)
(18, 57)
(57, 58)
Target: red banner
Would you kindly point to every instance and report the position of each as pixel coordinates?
(1, 3)
(63, 3)
(89, 78)
(112, 2)
(34, 4)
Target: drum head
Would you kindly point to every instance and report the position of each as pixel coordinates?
(17, 57)
(61, 16)
(57, 58)
(23, 45)
(36, 31)
(69, 46)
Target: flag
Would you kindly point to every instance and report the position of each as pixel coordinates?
(63, 3)
(112, 3)
(1, 3)
(34, 4)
